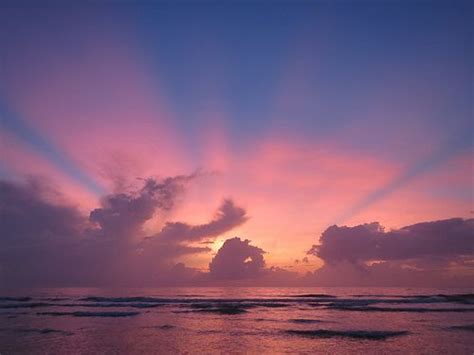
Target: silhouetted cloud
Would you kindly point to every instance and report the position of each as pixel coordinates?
(39, 238)
(26, 214)
(429, 253)
(45, 242)
(237, 259)
(118, 250)
(368, 242)
(123, 214)
(178, 238)
(227, 217)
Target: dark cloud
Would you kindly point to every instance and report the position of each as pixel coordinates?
(45, 242)
(450, 238)
(238, 263)
(26, 215)
(227, 217)
(123, 214)
(39, 239)
(178, 238)
(116, 249)
(237, 259)
(424, 254)
(389, 274)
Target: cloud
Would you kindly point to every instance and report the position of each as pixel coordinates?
(238, 263)
(430, 253)
(237, 259)
(177, 238)
(39, 236)
(227, 217)
(123, 214)
(26, 213)
(46, 242)
(116, 249)
(368, 242)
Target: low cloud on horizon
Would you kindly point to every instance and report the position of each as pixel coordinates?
(46, 242)
(428, 253)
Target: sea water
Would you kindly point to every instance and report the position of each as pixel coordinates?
(237, 320)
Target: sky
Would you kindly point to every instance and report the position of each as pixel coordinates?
(255, 142)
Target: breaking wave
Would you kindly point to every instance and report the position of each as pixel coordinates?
(305, 321)
(36, 331)
(469, 327)
(395, 309)
(354, 334)
(90, 314)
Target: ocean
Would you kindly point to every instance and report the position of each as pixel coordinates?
(234, 320)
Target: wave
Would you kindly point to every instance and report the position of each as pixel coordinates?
(15, 299)
(90, 314)
(269, 301)
(36, 331)
(25, 305)
(232, 307)
(227, 309)
(469, 327)
(8, 313)
(305, 321)
(123, 299)
(55, 299)
(314, 295)
(220, 306)
(395, 309)
(353, 334)
(111, 305)
(464, 298)
(95, 305)
(229, 305)
(163, 327)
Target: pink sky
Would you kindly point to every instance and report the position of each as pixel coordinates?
(105, 106)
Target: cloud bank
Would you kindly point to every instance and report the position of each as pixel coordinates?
(46, 242)
(450, 238)
(428, 253)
